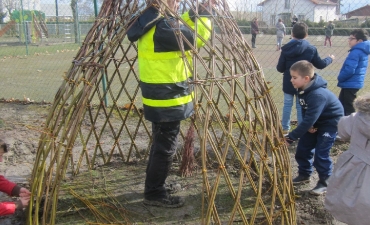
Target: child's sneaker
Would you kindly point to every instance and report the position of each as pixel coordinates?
(301, 179)
(167, 202)
(320, 188)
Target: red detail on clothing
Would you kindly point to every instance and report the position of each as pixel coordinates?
(6, 186)
(7, 208)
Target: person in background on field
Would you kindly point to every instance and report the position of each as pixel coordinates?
(295, 50)
(352, 74)
(254, 31)
(329, 32)
(165, 86)
(294, 21)
(280, 33)
(11, 189)
(347, 197)
(321, 111)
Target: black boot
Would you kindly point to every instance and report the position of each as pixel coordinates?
(321, 186)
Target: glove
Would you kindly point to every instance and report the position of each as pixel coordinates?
(288, 140)
(202, 11)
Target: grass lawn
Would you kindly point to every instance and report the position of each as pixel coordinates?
(39, 75)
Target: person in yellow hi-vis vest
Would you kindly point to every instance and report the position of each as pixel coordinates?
(166, 91)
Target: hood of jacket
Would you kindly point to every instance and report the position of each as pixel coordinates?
(363, 46)
(364, 129)
(295, 48)
(362, 105)
(316, 83)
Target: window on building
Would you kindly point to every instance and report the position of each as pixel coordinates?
(273, 20)
(287, 4)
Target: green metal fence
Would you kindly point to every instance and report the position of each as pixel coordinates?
(38, 45)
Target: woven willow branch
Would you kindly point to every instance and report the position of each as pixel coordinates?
(236, 121)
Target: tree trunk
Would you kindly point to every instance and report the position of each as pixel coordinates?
(75, 19)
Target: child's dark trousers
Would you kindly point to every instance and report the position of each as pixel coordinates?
(346, 97)
(313, 150)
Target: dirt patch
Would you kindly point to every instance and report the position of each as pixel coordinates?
(20, 126)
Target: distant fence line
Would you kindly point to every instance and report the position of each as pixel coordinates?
(39, 75)
(67, 28)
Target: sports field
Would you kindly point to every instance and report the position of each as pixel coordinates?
(39, 75)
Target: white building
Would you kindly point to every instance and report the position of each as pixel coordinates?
(312, 10)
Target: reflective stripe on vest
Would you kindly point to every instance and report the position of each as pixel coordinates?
(168, 102)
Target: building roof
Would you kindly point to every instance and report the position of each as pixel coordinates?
(365, 8)
(316, 2)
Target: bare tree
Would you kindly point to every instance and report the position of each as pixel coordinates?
(75, 18)
(11, 5)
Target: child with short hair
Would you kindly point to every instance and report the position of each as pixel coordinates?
(348, 198)
(321, 111)
(12, 189)
(352, 74)
(295, 50)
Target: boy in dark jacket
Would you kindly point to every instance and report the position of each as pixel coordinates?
(295, 50)
(11, 189)
(352, 75)
(317, 132)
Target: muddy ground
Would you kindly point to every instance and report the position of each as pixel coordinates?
(20, 126)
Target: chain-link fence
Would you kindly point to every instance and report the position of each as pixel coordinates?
(39, 39)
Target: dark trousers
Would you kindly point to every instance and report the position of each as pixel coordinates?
(254, 40)
(327, 38)
(346, 97)
(160, 159)
(313, 150)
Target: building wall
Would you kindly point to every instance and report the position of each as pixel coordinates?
(325, 12)
(304, 9)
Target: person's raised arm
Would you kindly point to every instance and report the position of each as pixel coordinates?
(143, 23)
(321, 63)
(315, 107)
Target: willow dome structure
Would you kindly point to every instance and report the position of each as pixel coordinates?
(236, 121)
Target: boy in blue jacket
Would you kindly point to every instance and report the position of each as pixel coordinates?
(295, 50)
(321, 111)
(352, 75)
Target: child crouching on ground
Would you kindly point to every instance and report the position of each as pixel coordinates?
(11, 189)
(321, 111)
(348, 198)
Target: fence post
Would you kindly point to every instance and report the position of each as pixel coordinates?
(104, 79)
(24, 27)
(57, 17)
